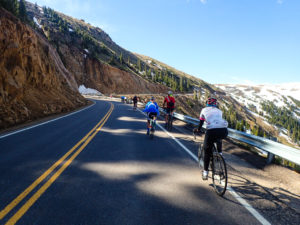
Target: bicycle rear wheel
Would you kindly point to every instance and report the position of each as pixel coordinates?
(151, 134)
(200, 156)
(152, 129)
(219, 174)
(170, 120)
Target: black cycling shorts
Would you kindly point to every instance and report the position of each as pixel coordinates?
(169, 110)
(151, 115)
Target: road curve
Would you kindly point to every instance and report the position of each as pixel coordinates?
(114, 175)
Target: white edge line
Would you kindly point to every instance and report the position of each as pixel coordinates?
(40, 124)
(242, 201)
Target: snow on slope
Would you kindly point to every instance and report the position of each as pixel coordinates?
(88, 91)
(255, 94)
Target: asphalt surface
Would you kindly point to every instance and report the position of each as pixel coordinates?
(119, 176)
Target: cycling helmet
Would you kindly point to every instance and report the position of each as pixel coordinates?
(211, 101)
(152, 98)
(170, 92)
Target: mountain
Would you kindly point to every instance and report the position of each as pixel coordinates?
(276, 106)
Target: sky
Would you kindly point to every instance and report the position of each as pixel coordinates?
(218, 41)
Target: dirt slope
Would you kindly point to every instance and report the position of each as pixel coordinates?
(33, 80)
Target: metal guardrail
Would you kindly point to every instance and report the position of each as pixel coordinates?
(272, 147)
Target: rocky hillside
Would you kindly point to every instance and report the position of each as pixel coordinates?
(33, 80)
(90, 54)
(84, 48)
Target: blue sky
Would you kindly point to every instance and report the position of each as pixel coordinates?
(219, 41)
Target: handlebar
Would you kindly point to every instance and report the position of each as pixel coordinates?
(197, 132)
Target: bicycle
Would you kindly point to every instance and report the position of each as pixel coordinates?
(169, 124)
(217, 167)
(134, 106)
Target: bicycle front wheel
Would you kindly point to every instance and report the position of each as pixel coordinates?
(169, 122)
(219, 174)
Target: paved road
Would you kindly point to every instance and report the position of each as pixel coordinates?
(114, 175)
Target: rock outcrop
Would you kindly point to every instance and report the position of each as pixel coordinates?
(105, 78)
(33, 80)
(108, 79)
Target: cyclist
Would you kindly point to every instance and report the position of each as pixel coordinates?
(170, 102)
(135, 100)
(151, 109)
(216, 130)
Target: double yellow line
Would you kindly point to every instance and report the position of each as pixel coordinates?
(83, 142)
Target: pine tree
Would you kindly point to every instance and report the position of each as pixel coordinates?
(121, 58)
(11, 6)
(247, 126)
(181, 84)
(22, 11)
(15, 7)
(160, 77)
(156, 76)
(149, 74)
(139, 65)
(294, 136)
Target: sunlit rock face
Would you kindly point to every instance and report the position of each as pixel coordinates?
(33, 80)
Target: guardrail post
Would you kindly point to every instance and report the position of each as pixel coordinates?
(270, 158)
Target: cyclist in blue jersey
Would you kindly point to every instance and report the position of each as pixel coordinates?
(151, 109)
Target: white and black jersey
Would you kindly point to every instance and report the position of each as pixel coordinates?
(213, 118)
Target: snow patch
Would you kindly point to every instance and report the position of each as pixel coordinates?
(41, 10)
(36, 22)
(88, 91)
(71, 30)
(158, 66)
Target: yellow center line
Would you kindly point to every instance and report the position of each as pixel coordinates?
(21, 196)
(14, 219)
